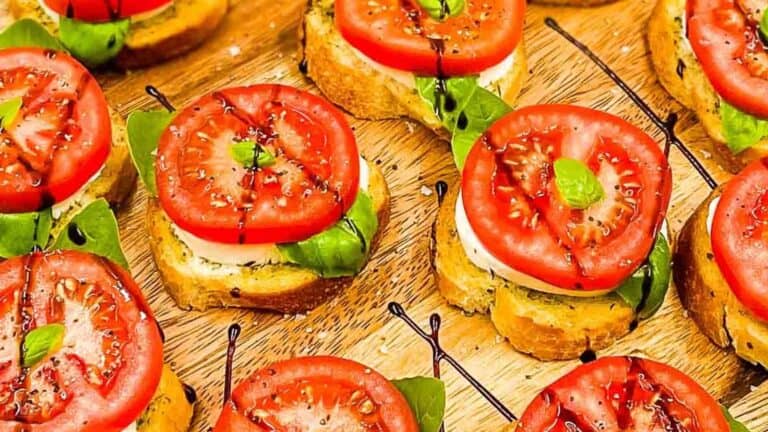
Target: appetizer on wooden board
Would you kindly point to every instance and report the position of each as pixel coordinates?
(132, 33)
(260, 198)
(439, 66)
(721, 255)
(61, 146)
(556, 230)
(710, 55)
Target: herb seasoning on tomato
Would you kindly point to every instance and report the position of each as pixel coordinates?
(61, 135)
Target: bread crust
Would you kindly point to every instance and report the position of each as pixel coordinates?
(356, 86)
(548, 327)
(198, 284)
(179, 29)
(706, 295)
(680, 73)
(169, 410)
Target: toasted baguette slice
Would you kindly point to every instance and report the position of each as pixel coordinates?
(573, 2)
(177, 30)
(114, 183)
(170, 410)
(546, 326)
(196, 283)
(707, 296)
(680, 73)
(365, 90)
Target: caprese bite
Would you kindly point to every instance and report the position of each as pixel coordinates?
(81, 351)
(556, 230)
(330, 393)
(722, 274)
(134, 33)
(452, 65)
(711, 56)
(261, 198)
(615, 394)
(61, 146)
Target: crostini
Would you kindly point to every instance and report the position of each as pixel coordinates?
(260, 198)
(710, 56)
(334, 393)
(573, 2)
(720, 264)
(133, 33)
(556, 230)
(626, 394)
(62, 373)
(440, 66)
(61, 146)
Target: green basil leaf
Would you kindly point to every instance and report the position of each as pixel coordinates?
(40, 342)
(466, 110)
(28, 33)
(244, 151)
(735, 425)
(631, 290)
(426, 397)
(93, 230)
(144, 131)
(442, 9)
(93, 43)
(741, 130)
(9, 110)
(764, 26)
(577, 184)
(341, 250)
(21, 232)
(660, 263)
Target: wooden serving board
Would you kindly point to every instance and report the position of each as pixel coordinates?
(256, 44)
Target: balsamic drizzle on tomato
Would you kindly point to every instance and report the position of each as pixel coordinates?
(666, 126)
(160, 97)
(438, 355)
(441, 188)
(232, 334)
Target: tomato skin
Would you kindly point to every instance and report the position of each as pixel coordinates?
(114, 405)
(578, 133)
(606, 392)
(104, 10)
(483, 35)
(393, 409)
(717, 31)
(740, 236)
(312, 184)
(47, 174)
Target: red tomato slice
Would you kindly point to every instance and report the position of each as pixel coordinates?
(301, 394)
(207, 192)
(402, 35)
(109, 365)
(740, 240)
(513, 206)
(623, 394)
(731, 53)
(62, 134)
(104, 10)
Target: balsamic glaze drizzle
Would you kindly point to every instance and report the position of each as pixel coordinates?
(667, 126)
(75, 234)
(189, 393)
(160, 97)
(233, 333)
(441, 188)
(439, 355)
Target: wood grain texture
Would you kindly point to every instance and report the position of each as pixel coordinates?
(257, 43)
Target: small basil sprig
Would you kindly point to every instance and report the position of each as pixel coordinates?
(442, 9)
(764, 26)
(93, 230)
(93, 43)
(426, 397)
(646, 289)
(9, 110)
(28, 33)
(40, 342)
(577, 184)
(22, 232)
(144, 131)
(741, 130)
(245, 151)
(735, 425)
(465, 109)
